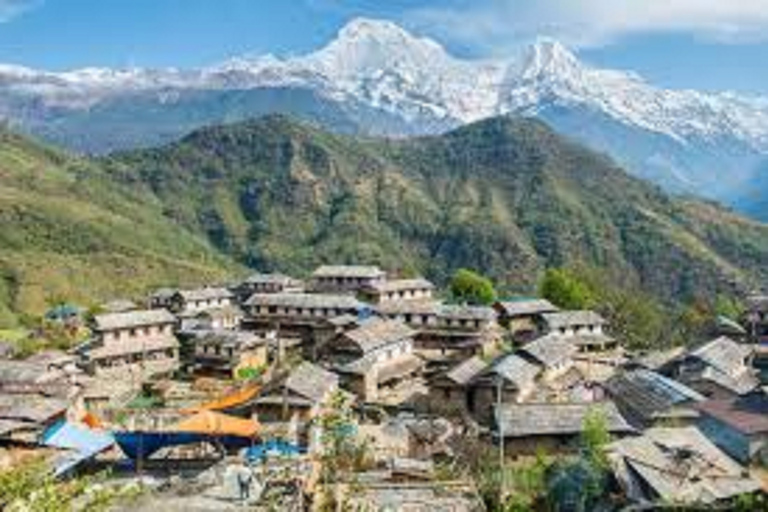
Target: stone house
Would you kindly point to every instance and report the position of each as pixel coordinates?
(225, 317)
(161, 298)
(346, 278)
(141, 343)
(720, 368)
(585, 328)
(756, 317)
(398, 290)
(374, 357)
(553, 352)
(191, 302)
(300, 395)
(529, 428)
(449, 389)
(508, 379)
(523, 317)
(267, 283)
(298, 315)
(226, 352)
(446, 333)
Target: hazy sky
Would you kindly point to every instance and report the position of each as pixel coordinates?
(706, 44)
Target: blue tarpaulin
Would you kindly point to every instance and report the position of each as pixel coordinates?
(260, 451)
(144, 444)
(82, 442)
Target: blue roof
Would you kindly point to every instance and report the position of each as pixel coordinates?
(82, 442)
(283, 448)
(674, 390)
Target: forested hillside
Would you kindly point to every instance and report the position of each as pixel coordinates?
(69, 234)
(509, 197)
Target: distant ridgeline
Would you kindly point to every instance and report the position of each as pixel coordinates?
(505, 196)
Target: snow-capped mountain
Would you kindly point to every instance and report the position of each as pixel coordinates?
(377, 78)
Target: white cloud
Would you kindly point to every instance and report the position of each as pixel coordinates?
(9, 9)
(497, 25)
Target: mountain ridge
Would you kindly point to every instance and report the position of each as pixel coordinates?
(376, 78)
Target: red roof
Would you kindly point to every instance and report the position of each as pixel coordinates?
(748, 415)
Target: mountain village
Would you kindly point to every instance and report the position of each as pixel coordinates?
(357, 389)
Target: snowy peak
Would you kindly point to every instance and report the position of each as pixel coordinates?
(367, 47)
(548, 58)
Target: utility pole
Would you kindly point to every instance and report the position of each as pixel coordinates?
(500, 425)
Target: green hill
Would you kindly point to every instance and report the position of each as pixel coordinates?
(67, 233)
(508, 197)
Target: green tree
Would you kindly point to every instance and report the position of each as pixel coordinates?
(470, 287)
(728, 307)
(594, 438)
(565, 289)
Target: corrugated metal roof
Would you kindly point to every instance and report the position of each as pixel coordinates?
(748, 415)
(679, 465)
(648, 393)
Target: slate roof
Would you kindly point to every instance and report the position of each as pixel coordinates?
(119, 306)
(679, 465)
(378, 332)
(305, 300)
(740, 383)
(227, 338)
(467, 370)
(272, 278)
(566, 319)
(656, 359)
(20, 371)
(221, 312)
(412, 307)
(757, 302)
(153, 344)
(163, 293)
(649, 394)
(529, 419)
(31, 408)
(206, 293)
(726, 366)
(311, 381)
(458, 312)
(515, 369)
(550, 350)
(724, 354)
(397, 285)
(131, 319)
(349, 271)
(526, 307)
(400, 366)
